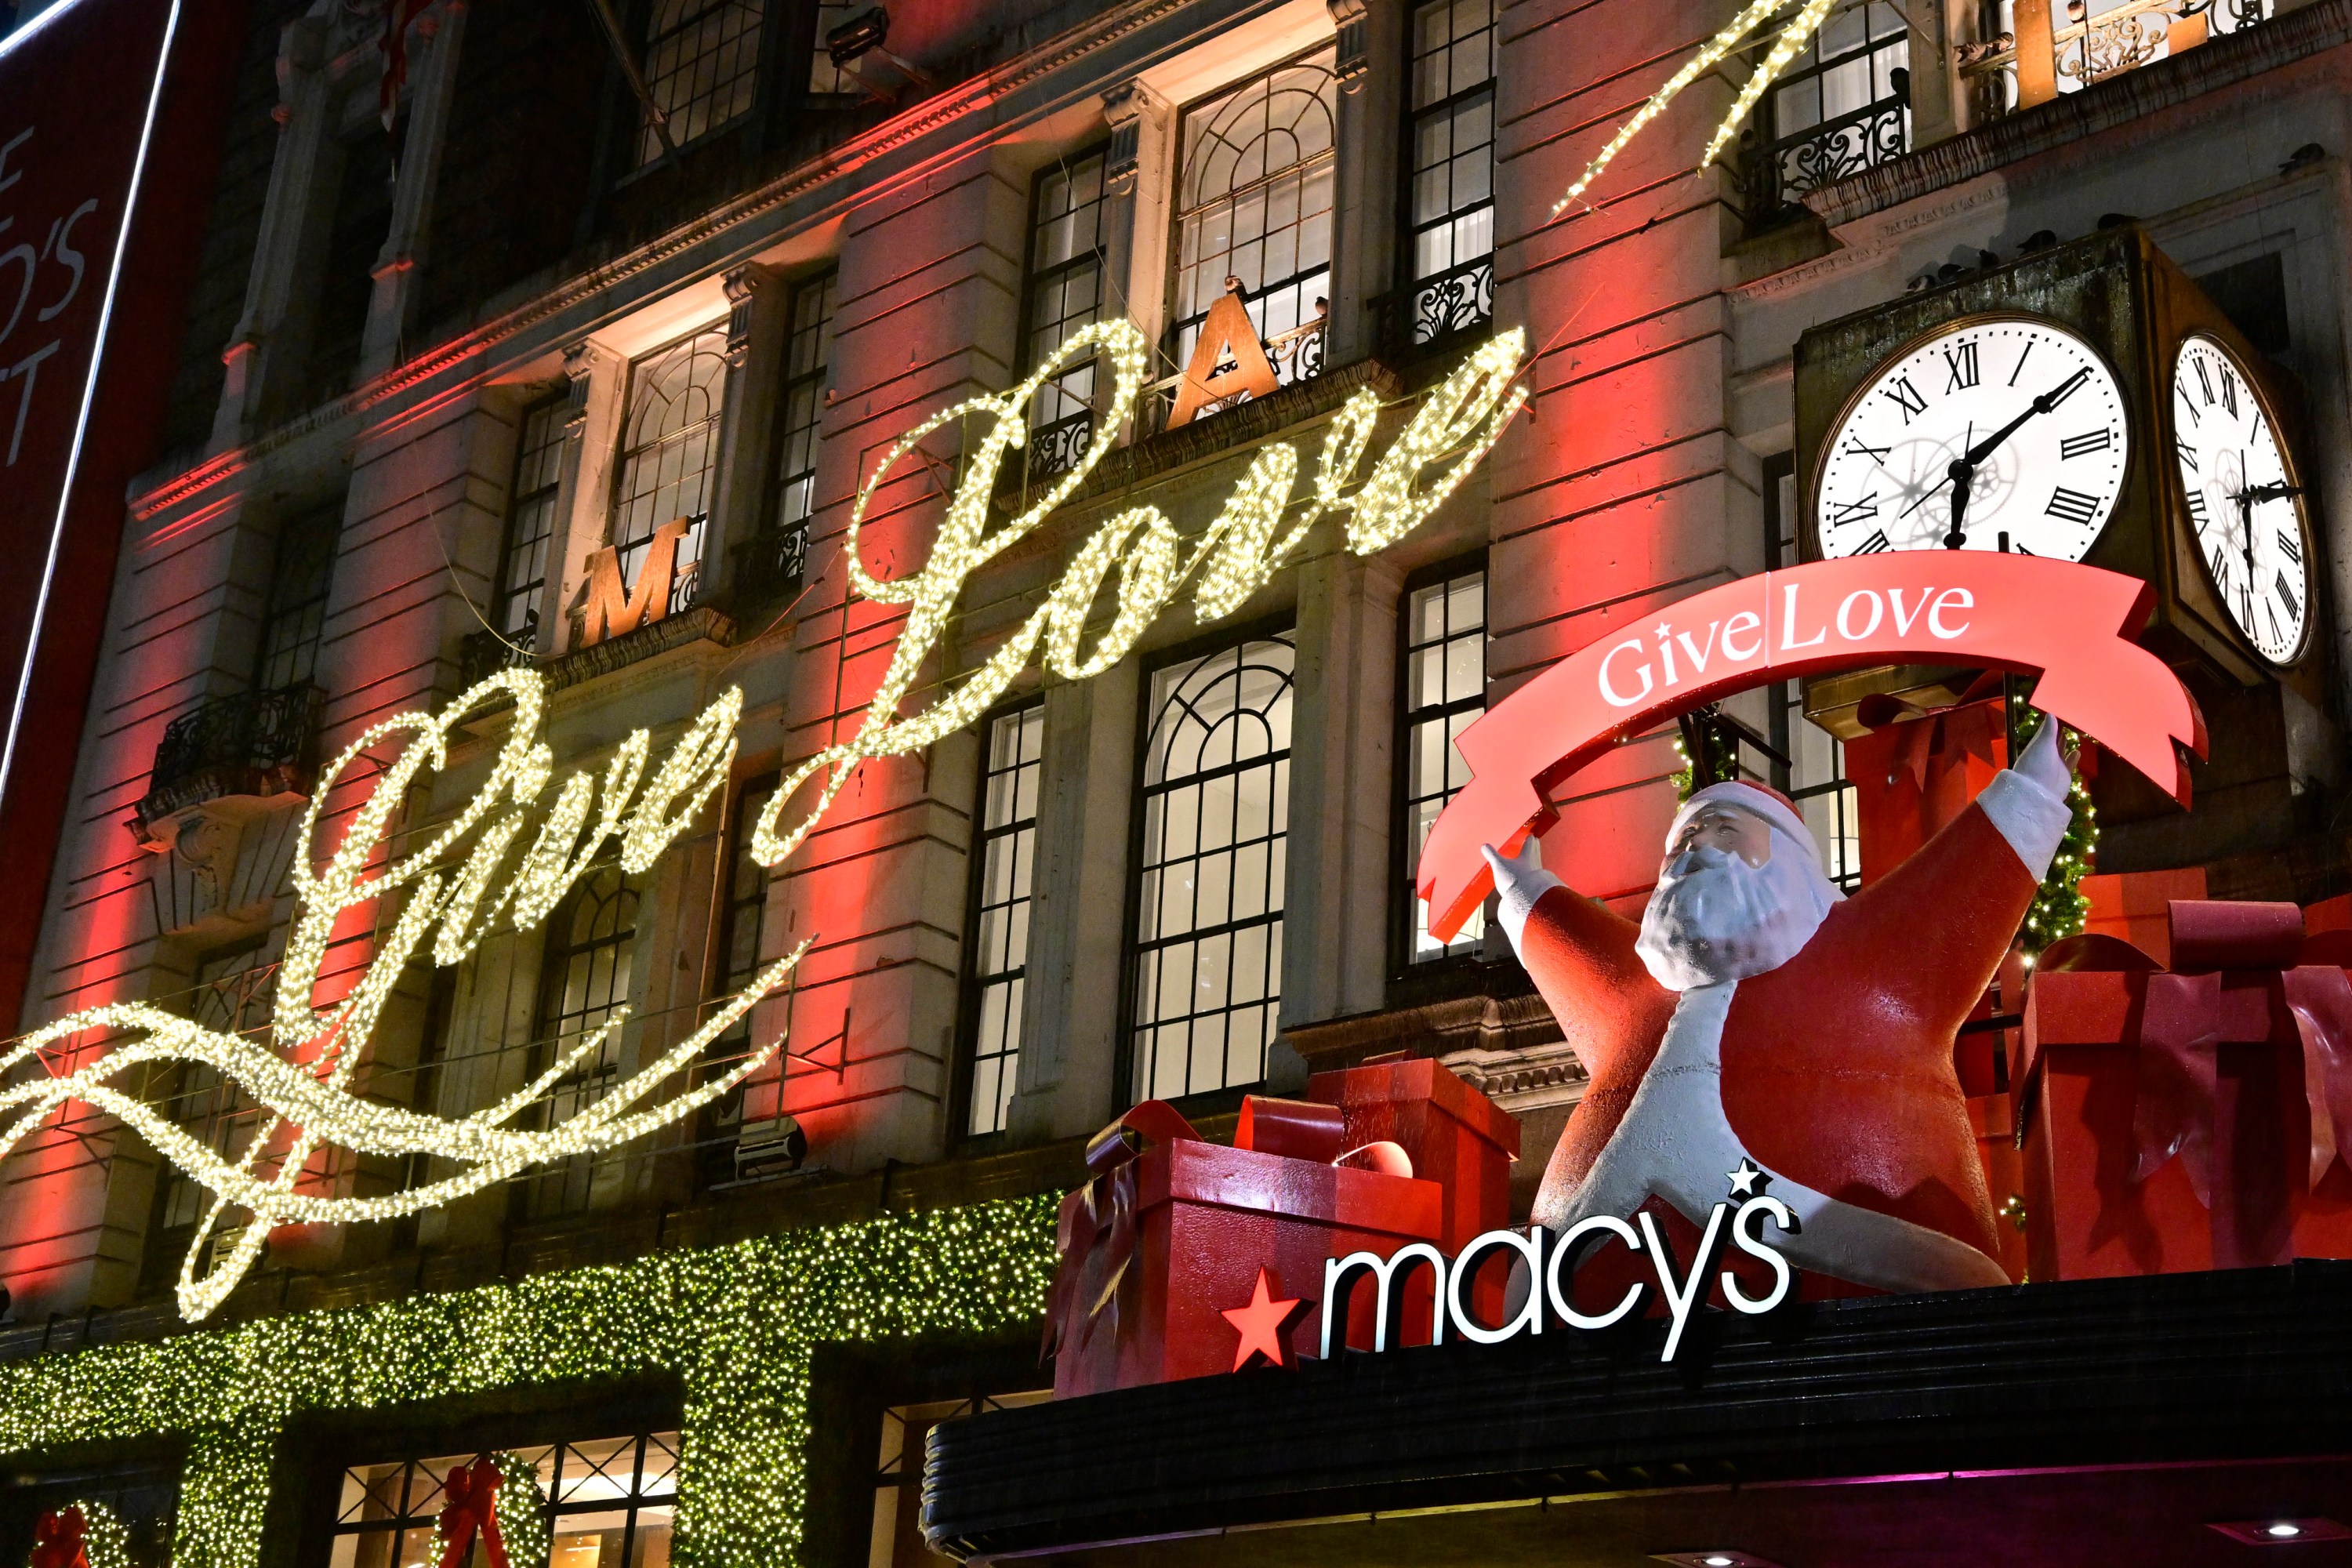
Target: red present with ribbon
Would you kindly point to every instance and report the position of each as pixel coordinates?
(61, 1538)
(1163, 1245)
(1454, 1135)
(1919, 768)
(2190, 1117)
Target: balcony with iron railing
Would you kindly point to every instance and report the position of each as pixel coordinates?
(771, 566)
(2051, 49)
(256, 745)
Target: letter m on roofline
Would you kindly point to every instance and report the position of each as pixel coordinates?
(1341, 1275)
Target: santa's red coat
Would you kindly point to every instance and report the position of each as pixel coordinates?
(1837, 1065)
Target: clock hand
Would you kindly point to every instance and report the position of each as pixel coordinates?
(1964, 467)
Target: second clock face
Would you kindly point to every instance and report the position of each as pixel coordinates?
(2242, 501)
(2045, 474)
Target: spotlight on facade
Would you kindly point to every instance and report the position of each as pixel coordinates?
(861, 33)
(856, 47)
(2281, 1530)
(1722, 1557)
(2276, 1531)
(770, 1149)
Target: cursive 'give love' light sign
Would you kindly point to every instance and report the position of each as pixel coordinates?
(2071, 625)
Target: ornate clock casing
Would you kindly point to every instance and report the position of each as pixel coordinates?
(2116, 290)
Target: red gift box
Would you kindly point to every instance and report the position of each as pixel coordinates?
(2191, 1117)
(2135, 906)
(1917, 769)
(1171, 1231)
(1454, 1135)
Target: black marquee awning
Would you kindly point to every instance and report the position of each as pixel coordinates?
(2161, 1384)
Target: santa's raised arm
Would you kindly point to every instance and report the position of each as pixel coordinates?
(1756, 1014)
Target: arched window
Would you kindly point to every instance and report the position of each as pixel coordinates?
(584, 981)
(1208, 934)
(669, 453)
(1255, 204)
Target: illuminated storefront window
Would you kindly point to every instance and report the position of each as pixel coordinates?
(1065, 294)
(1006, 861)
(1254, 206)
(1216, 807)
(609, 1504)
(1444, 692)
(669, 455)
(585, 981)
(1452, 170)
(702, 64)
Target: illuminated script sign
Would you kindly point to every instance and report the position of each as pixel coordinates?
(508, 856)
(2072, 624)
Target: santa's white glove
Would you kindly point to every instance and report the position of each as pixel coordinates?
(2028, 800)
(1519, 881)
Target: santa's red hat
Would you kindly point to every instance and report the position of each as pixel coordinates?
(1749, 796)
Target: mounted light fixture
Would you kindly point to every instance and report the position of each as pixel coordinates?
(1722, 1557)
(864, 35)
(2283, 1532)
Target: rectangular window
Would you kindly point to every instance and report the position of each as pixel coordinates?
(609, 1503)
(824, 75)
(234, 994)
(1814, 776)
(670, 456)
(1451, 178)
(301, 574)
(1254, 211)
(783, 551)
(1006, 863)
(530, 523)
(1066, 296)
(1842, 105)
(1444, 692)
(1209, 894)
(742, 935)
(585, 980)
(703, 65)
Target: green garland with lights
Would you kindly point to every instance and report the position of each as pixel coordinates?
(2059, 907)
(736, 1325)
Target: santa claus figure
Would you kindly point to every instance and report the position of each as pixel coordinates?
(1757, 1014)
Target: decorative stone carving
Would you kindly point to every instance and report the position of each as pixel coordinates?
(1124, 107)
(1355, 56)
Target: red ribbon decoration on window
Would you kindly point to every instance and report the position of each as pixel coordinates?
(2072, 624)
(472, 1510)
(59, 1539)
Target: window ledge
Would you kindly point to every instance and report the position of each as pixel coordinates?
(701, 623)
(2073, 117)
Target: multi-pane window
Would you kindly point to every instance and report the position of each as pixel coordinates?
(1216, 806)
(584, 982)
(1066, 296)
(608, 1503)
(1452, 201)
(1254, 211)
(742, 932)
(233, 995)
(1841, 106)
(530, 525)
(669, 455)
(1444, 693)
(302, 572)
(808, 354)
(1006, 864)
(824, 75)
(703, 65)
(1814, 775)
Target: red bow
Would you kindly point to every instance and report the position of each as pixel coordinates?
(59, 1537)
(472, 1509)
(1964, 728)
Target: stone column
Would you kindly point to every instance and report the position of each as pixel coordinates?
(393, 307)
(759, 326)
(259, 355)
(592, 427)
(1137, 177)
(1371, 119)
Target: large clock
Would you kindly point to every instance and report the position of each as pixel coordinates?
(1990, 432)
(2254, 533)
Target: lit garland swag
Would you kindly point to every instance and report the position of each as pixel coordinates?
(736, 1324)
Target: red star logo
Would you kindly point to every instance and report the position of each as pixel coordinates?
(1262, 1324)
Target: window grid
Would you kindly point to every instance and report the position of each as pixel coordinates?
(233, 993)
(1209, 878)
(530, 522)
(1446, 691)
(583, 983)
(1452, 241)
(611, 1504)
(1066, 296)
(302, 573)
(1255, 205)
(743, 933)
(1844, 105)
(1814, 777)
(1006, 858)
(807, 360)
(669, 455)
(703, 65)
(824, 75)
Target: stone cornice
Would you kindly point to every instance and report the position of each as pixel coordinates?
(2072, 117)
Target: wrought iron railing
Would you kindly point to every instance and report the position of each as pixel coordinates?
(2063, 47)
(1774, 173)
(770, 565)
(1056, 448)
(484, 653)
(255, 743)
(1459, 300)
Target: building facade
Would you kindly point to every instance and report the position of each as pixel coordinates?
(563, 338)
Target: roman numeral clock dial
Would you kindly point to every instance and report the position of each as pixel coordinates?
(2243, 498)
(1994, 428)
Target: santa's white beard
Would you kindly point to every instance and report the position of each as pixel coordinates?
(1714, 917)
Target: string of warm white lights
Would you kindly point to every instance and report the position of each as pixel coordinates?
(1792, 39)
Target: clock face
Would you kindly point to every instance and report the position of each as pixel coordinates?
(2249, 522)
(2016, 415)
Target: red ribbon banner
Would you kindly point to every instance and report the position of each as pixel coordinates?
(2073, 625)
